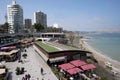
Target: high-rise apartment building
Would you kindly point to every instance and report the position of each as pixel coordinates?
(40, 17)
(15, 17)
(28, 24)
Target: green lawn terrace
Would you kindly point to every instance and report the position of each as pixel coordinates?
(47, 47)
(68, 47)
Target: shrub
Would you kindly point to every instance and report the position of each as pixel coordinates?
(22, 70)
(24, 55)
(18, 70)
(20, 61)
(1, 79)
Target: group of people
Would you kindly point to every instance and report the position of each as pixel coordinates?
(26, 77)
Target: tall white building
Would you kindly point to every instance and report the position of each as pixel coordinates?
(15, 17)
(40, 17)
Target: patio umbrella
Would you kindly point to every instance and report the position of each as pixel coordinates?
(88, 66)
(74, 71)
(9, 47)
(66, 66)
(12, 47)
(78, 63)
(4, 48)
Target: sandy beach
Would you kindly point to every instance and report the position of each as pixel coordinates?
(100, 57)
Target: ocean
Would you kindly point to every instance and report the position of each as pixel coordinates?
(106, 43)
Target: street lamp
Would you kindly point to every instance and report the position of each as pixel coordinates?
(61, 72)
(71, 78)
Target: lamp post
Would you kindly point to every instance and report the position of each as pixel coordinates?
(55, 65)
(71, 78)
(61, 72)
(55, 68)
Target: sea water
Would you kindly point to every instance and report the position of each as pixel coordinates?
(106, 43)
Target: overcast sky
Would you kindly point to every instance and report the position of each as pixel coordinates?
(77, 15)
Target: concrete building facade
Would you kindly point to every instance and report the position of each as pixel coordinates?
(40, 17)
(15, 17)
(55, 28)
(28, 25)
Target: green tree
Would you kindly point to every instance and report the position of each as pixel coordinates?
(38, 27)
(1, 78)
(24, 55)
(18, 70)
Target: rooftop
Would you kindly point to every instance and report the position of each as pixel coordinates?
(8, 53)
(47, 47)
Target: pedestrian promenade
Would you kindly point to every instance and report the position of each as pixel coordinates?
(32, 64)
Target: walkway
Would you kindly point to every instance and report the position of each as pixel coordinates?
(32, 65)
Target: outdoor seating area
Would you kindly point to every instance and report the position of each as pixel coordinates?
(12, 55)
(77, 70)
(26, 43)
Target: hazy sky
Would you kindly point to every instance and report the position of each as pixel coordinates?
(74, 15)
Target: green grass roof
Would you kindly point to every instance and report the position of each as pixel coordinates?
(66, 46)
(47, 47)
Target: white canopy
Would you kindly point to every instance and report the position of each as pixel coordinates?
(2, 71)
(8, 53)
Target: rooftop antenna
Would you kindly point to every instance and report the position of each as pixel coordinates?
(5, 17)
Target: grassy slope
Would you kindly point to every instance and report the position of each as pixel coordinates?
(66, 46)
(47, 47)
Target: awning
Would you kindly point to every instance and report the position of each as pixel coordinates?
(74, 71)
(9, 53)
(66, 66)
(88, 66)
(9, 47)
(78, 63)
(4, 48)
(57, 59)
(2, 71)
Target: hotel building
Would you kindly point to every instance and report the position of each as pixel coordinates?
(15, 17)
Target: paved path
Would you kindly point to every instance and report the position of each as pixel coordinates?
(32, 65)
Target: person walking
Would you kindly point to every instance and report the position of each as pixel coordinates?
(42, 71)
(23, 78)
(29, 76)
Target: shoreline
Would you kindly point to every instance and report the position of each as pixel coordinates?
(101, 58)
